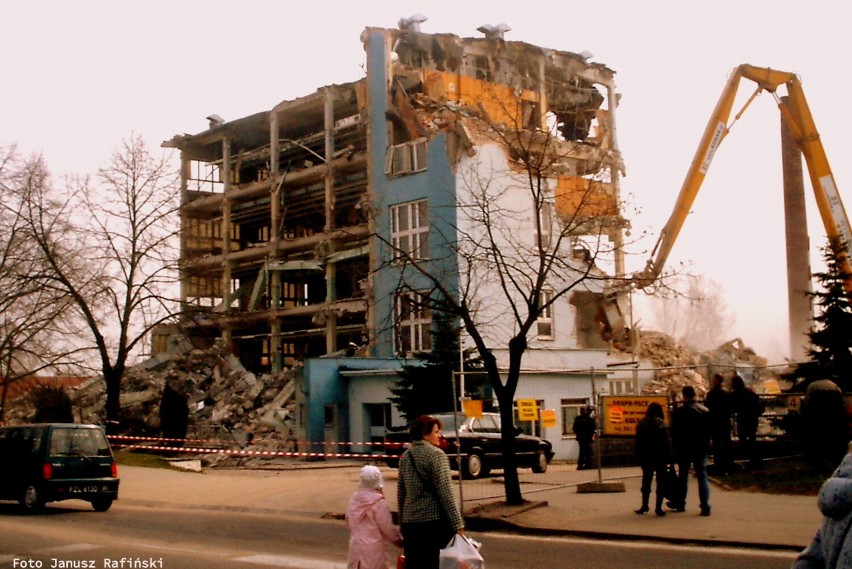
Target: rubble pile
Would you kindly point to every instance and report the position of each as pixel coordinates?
(679, 365)
(225, 404)
(676, 363)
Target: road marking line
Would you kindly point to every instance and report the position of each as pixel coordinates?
(291, 562)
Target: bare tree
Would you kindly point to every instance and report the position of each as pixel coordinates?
(109, 245)
(692, 310)
(515, 258)
(34, 319)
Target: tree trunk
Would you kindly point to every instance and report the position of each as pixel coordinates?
(113, 400)
(512, 484)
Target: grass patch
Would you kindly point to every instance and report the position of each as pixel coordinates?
(130, 458)
(789, 475)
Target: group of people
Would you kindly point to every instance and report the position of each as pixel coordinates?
(695, 429)
(428, 513)
(741, 402)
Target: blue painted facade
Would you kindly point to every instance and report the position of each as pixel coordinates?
(436, 184)
(321, 384)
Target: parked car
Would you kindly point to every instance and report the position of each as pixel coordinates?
(481, 448)
(57, 461)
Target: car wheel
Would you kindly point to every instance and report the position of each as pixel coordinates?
(473, 467)
(31, 499)
(540, 465)
(101, 504)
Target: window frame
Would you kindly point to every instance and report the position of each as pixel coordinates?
(407, 158)
(546, 317)
(575, 404)
(412, 240)
(412, 335)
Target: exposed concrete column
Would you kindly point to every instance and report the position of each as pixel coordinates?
(330, 268)
(226, 238)
(274, 238)
(185, 173)
(796, 231)
(615, 179)
(542, 96)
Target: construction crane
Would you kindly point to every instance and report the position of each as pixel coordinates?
(797, 115)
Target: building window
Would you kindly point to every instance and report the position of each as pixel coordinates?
(410, 229)
(570, 410)
(406, 158)
(413, 324)
(622, 387)
(544, 229)
(544, 323)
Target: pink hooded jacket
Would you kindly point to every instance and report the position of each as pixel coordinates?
(370, 524)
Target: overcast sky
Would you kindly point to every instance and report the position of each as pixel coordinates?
(80, 76)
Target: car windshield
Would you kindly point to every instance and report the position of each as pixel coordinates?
(78, 442)
(448, 420)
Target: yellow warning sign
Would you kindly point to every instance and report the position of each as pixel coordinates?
(621, 413)
(473, 408)
(527, 410)
(548, 418)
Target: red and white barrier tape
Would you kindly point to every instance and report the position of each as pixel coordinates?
(221, 442)
(265, 453)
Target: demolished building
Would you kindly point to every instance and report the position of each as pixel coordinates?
(279, 209)
(289, 217)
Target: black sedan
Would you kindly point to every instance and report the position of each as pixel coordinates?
(481, 448)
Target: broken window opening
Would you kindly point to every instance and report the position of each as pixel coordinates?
(544, 229)
(205, 177)
(544, 322)
(407, 158)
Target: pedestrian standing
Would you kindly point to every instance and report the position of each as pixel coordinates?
(653, 450)
(747, 406)
(584, 427)
(370, 524)
(690, 437)
(428, 513)
(718, 403)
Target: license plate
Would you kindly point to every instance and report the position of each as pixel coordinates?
(82, 489)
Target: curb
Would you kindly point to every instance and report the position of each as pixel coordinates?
(486, 524)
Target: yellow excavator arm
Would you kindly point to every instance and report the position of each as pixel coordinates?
(796, 113)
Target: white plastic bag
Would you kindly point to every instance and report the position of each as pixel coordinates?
(461, 553)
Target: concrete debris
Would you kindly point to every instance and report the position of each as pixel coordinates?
(677, 365)
(225, 405)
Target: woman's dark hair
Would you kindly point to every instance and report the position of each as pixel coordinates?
(423, 425)
(655, 410)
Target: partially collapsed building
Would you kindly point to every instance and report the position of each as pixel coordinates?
(289, 217)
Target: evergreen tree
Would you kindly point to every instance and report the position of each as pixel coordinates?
(831, 335)
(425, 387)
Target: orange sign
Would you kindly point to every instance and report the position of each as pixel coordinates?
(473, 408)
(622, 412)
(548, 418)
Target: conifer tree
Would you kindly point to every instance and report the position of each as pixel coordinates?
(425, 387)
(830, 349)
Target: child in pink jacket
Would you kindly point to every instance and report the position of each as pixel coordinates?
(370, 524)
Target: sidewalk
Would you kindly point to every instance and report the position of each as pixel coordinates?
(738, 518)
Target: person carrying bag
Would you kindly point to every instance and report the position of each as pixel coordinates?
(461, 553)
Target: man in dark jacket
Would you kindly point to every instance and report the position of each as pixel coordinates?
(584, 429)
(747, 406)
(690, 437)
(718, 402)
